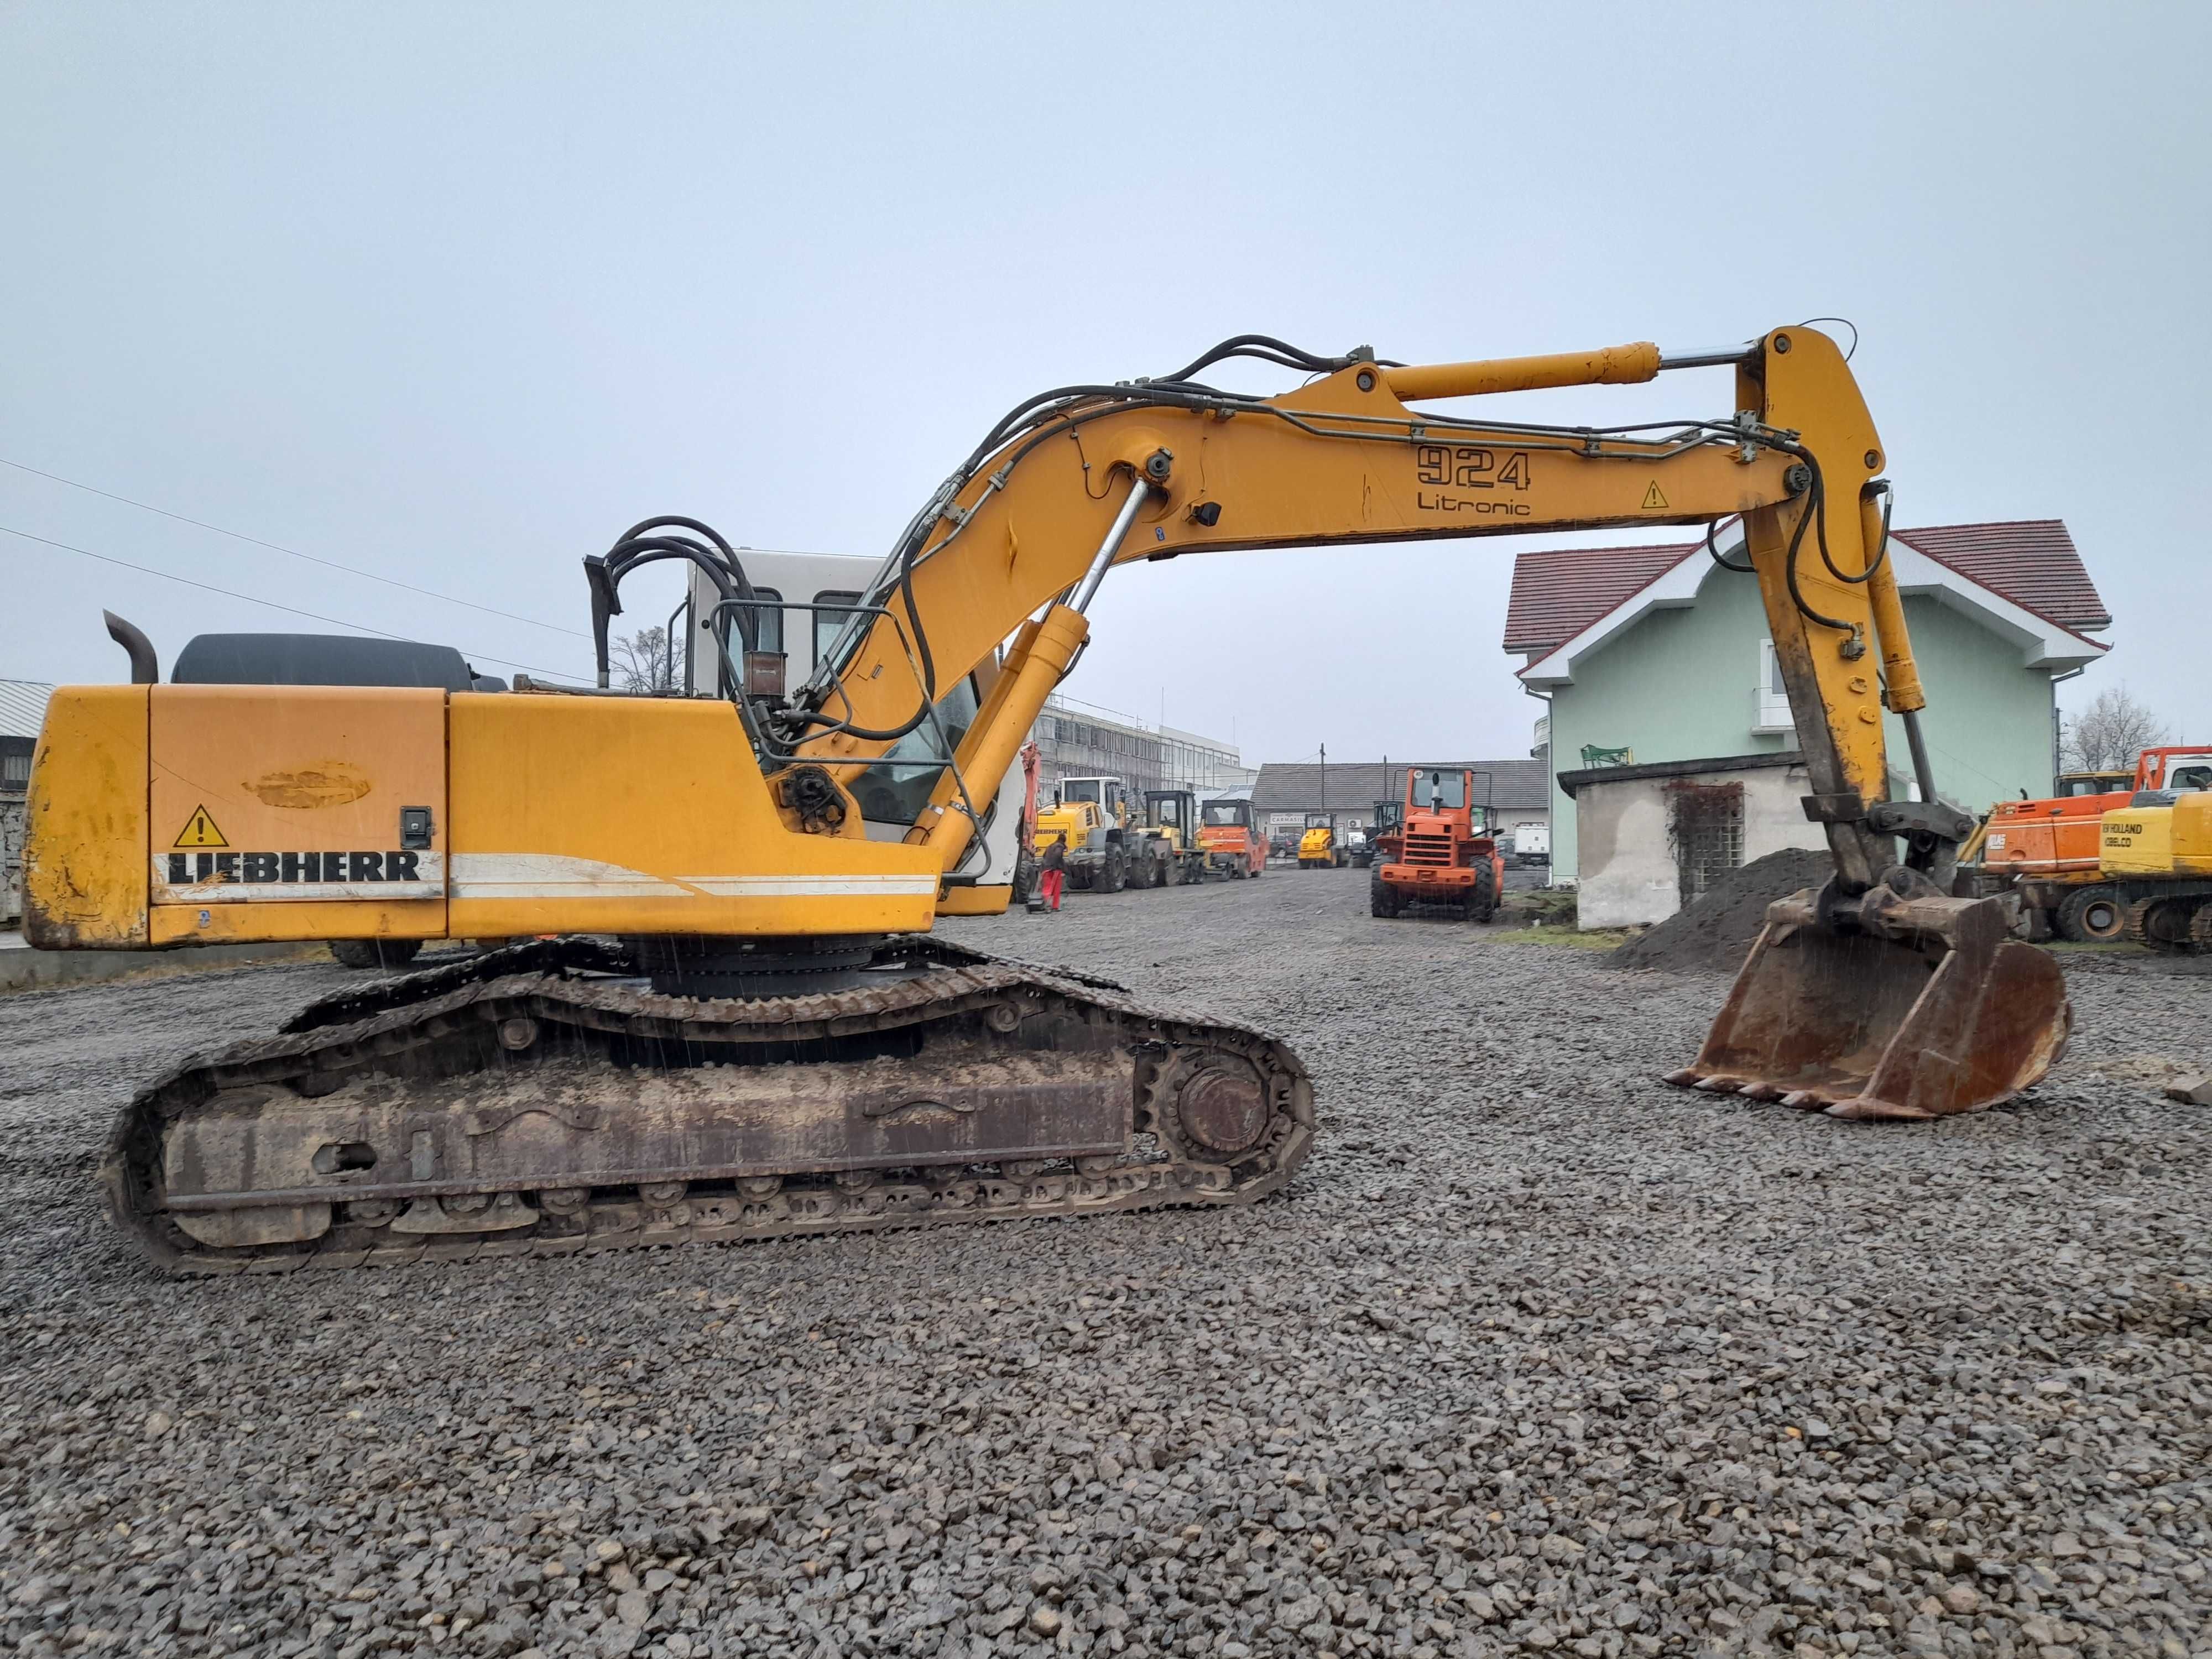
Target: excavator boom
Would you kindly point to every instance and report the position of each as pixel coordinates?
(763, 863)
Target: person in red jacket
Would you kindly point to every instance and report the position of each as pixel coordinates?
(1052, 870)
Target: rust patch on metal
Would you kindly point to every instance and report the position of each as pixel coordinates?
(325, 783)
(1895, 1008)
(1224, 1110)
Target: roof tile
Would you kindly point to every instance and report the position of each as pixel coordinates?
(2032, 561)
(1559, 592)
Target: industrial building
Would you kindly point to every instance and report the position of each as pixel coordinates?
(22, 706)
(1075, 739)
(1517, 790)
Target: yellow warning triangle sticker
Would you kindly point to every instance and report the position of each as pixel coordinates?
(200, 832)
(1653, 498)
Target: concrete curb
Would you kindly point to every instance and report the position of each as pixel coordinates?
(26, 969)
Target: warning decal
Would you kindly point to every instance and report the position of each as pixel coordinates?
(1653, 498)
(200, 832)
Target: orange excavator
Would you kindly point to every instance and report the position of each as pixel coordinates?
(1440, 851)
(742, 1029)
(2050, 852)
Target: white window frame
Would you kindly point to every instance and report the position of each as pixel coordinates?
(1770, 709)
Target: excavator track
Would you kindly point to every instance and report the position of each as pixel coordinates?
(545, 1100)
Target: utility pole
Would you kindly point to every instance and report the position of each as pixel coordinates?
(1324, 786)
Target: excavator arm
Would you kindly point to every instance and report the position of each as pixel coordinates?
(1879, 995)
(1099, 477)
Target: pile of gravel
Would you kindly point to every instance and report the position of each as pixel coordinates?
(1536, 1356)
(1714, 935)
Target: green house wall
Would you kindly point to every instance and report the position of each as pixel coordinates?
(1682, 684)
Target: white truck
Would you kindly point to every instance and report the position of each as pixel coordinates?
(1532, 843)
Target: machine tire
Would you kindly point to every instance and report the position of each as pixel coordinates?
(1381, 898)
(2160, 924)
(2200, 926)
(2091, 915)
(1115, 875)
(1483, 904)
(375, 953)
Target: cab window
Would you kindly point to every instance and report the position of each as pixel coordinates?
(768, 619)
(896, 787)
(832, 606)
(1448, 787)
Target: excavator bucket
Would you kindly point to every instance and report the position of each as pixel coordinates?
(1885, 1006)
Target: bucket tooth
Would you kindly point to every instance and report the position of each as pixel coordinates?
(1886, 1008)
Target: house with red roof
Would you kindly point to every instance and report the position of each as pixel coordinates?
(1655, 657)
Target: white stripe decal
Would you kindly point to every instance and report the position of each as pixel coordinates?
(891, 886)
(236, 892)
(551, 876)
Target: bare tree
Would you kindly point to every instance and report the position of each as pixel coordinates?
(2107, 735)
(642, 661)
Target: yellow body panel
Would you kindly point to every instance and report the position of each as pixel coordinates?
(284, 801)
(84, 865)
(2158, 840)
(276, 817)
(649, 815)
(1074, 822)
(976, 901)
(1315, 844)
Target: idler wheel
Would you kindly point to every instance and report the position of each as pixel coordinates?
(1223, 1106)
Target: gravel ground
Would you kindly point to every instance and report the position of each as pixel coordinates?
(1537, 1354)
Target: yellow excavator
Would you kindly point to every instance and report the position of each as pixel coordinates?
(742, 1028)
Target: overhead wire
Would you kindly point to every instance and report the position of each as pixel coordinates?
(292, 552)
(289, 610)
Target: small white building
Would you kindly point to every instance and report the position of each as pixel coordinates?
(1654, 837)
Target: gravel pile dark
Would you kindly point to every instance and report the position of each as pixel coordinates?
(1538, 1355)
(1714, 932)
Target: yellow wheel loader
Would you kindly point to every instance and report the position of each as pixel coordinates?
(1090, 817)
(742, 1028)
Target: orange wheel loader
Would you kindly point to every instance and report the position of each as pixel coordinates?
(1441, 852)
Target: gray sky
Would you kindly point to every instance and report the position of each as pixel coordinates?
(456, 294)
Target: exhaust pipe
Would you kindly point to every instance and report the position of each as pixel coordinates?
(145, 667)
